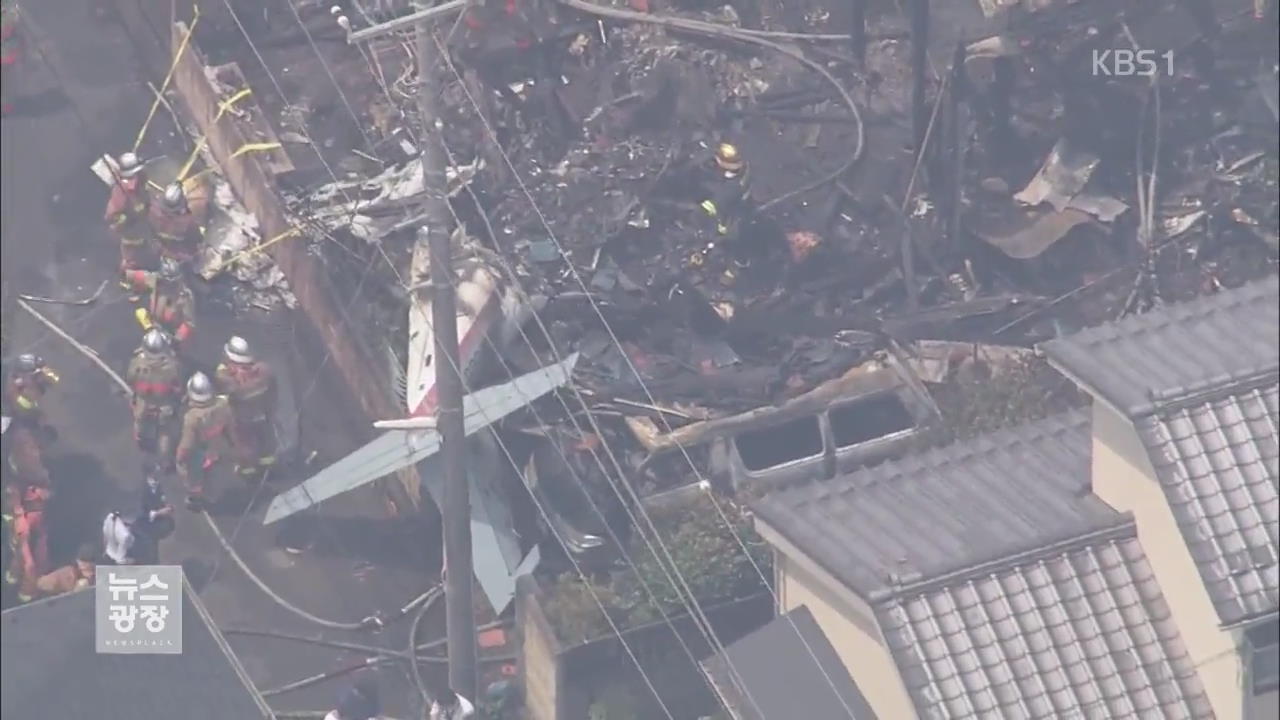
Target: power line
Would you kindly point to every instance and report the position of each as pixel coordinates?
(631, 366)
(643, 582)
(701, 621)
(679, 584)
(577, 478)
(515, 467)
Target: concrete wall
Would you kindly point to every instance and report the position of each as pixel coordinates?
(255, 187)
(849, 623)
(539, 653)
(1125, 479)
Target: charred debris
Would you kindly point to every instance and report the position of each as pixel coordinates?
(939, 187)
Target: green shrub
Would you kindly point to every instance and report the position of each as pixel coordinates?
(710, 560)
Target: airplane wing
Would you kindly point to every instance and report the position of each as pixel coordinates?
(400, 448)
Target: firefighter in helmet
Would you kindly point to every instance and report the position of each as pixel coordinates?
(126, 213)
(251, 387)
(28, 382)
(726, 193)
(172, 305)
(176, 227)
(206, 437)
(156, 378)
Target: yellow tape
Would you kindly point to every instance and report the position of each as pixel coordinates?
(255, 249)
(253, 147)
(223, 107)
(155, 104)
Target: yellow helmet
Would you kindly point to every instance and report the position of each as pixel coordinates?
(727, 157)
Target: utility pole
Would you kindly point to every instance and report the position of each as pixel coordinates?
(919, 64)
(459, 610)
(456, 513)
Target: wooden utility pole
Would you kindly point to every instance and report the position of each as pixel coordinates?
(919, 65)
(459, 610)
(436, 233)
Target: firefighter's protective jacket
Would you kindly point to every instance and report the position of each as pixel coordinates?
(205, 428)
(177, 231)
(23, 392)
(156, 378)
(172, 305)
(126, 212)
(251, 388)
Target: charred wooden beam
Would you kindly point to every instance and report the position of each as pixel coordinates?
(956, 101)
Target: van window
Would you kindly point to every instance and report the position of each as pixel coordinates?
(794, 440)
(869, 419)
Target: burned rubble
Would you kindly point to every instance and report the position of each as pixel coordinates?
(1003, 192)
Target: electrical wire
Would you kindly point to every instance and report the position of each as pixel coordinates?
(368, 623)
(506, 452)
(492, 135)
(497, 353)
(695, 611)
(328, 71)
(679, 582)
(542, 510)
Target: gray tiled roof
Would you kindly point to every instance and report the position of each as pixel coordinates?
(1080, 630)
(51, 670)
(1218, 460)
(790, 670)
(1176, 349)
(948, 507)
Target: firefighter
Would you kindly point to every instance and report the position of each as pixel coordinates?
(726, 196)
(28, 539)
(251, 387)
(156, 378)
(172, 306)
(30, 380)
(206, 428)
(75, 576)
(175, 226)
(18, 560)
(126, 213)
(23, 392)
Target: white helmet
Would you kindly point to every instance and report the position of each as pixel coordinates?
(155, 341)
(199, 389)
(130, 165)
(237, 350)
(28, 362)
(173, 196)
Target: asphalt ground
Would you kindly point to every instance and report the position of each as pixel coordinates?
(80, 90)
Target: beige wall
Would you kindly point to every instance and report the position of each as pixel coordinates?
(1124, 478)
(849, 623)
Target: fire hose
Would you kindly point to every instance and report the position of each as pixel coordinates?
(375, 621)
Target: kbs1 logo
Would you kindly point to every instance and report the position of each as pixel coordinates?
(1131, 63)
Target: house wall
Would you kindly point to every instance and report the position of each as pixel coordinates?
(539, 654)
(1124, 478)
(849, 623)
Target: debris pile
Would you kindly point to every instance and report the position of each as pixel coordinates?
(1045, 198)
